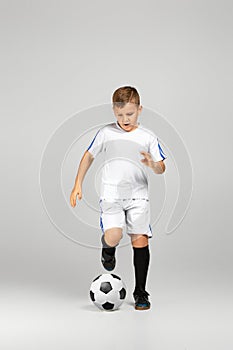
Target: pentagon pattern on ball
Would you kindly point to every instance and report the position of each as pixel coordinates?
(115, 276)
(95, 279)
(105, 287)
(108, 306)
(92, 296)
(122, 293)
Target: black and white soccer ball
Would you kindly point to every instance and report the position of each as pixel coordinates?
(108, 291)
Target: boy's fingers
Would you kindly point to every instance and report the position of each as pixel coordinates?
(73, 197)
(73, 201)
(146, 155)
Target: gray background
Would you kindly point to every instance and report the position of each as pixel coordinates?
(61, 57)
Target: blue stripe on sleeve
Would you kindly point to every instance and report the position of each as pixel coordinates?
(93, 140)
(161, 151)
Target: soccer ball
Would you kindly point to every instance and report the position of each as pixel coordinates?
(108, 291)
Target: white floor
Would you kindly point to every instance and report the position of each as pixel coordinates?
(33, 318)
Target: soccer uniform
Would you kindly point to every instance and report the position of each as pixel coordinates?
(124, 198)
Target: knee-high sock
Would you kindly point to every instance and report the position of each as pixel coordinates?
(141, 261)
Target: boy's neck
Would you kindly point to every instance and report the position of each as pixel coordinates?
(126, 130)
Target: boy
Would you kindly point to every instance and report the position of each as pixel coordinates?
(124, 186)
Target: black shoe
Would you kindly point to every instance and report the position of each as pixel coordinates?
(108, 261)
(141, 300)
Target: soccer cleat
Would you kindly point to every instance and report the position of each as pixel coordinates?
(141, 300)
(108, 261)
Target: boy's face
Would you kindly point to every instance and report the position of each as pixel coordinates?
(127, 116)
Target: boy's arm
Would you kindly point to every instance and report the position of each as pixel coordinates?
(157, 167)
(84, 165)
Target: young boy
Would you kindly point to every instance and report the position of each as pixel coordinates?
(124, 186)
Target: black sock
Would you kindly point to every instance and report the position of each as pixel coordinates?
(141, 260)
(107, 249)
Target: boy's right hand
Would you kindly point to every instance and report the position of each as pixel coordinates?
(77, 191)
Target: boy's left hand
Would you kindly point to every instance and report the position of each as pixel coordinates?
(157, 167)
(147, 159)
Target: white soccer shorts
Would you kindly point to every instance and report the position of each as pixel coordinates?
(134, 214)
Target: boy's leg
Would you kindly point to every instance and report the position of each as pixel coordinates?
(113, 236)
(110, 241)
(141, 261)
(139, 241)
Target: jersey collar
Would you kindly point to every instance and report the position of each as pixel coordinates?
(118, 126)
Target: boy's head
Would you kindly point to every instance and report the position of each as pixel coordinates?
(126, 107)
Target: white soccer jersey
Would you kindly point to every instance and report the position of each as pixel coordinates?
(123, 175)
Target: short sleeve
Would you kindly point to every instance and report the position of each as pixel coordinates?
(97, 144)
(156, 150)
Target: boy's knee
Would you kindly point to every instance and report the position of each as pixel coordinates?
(139, 240)
(112, 236)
